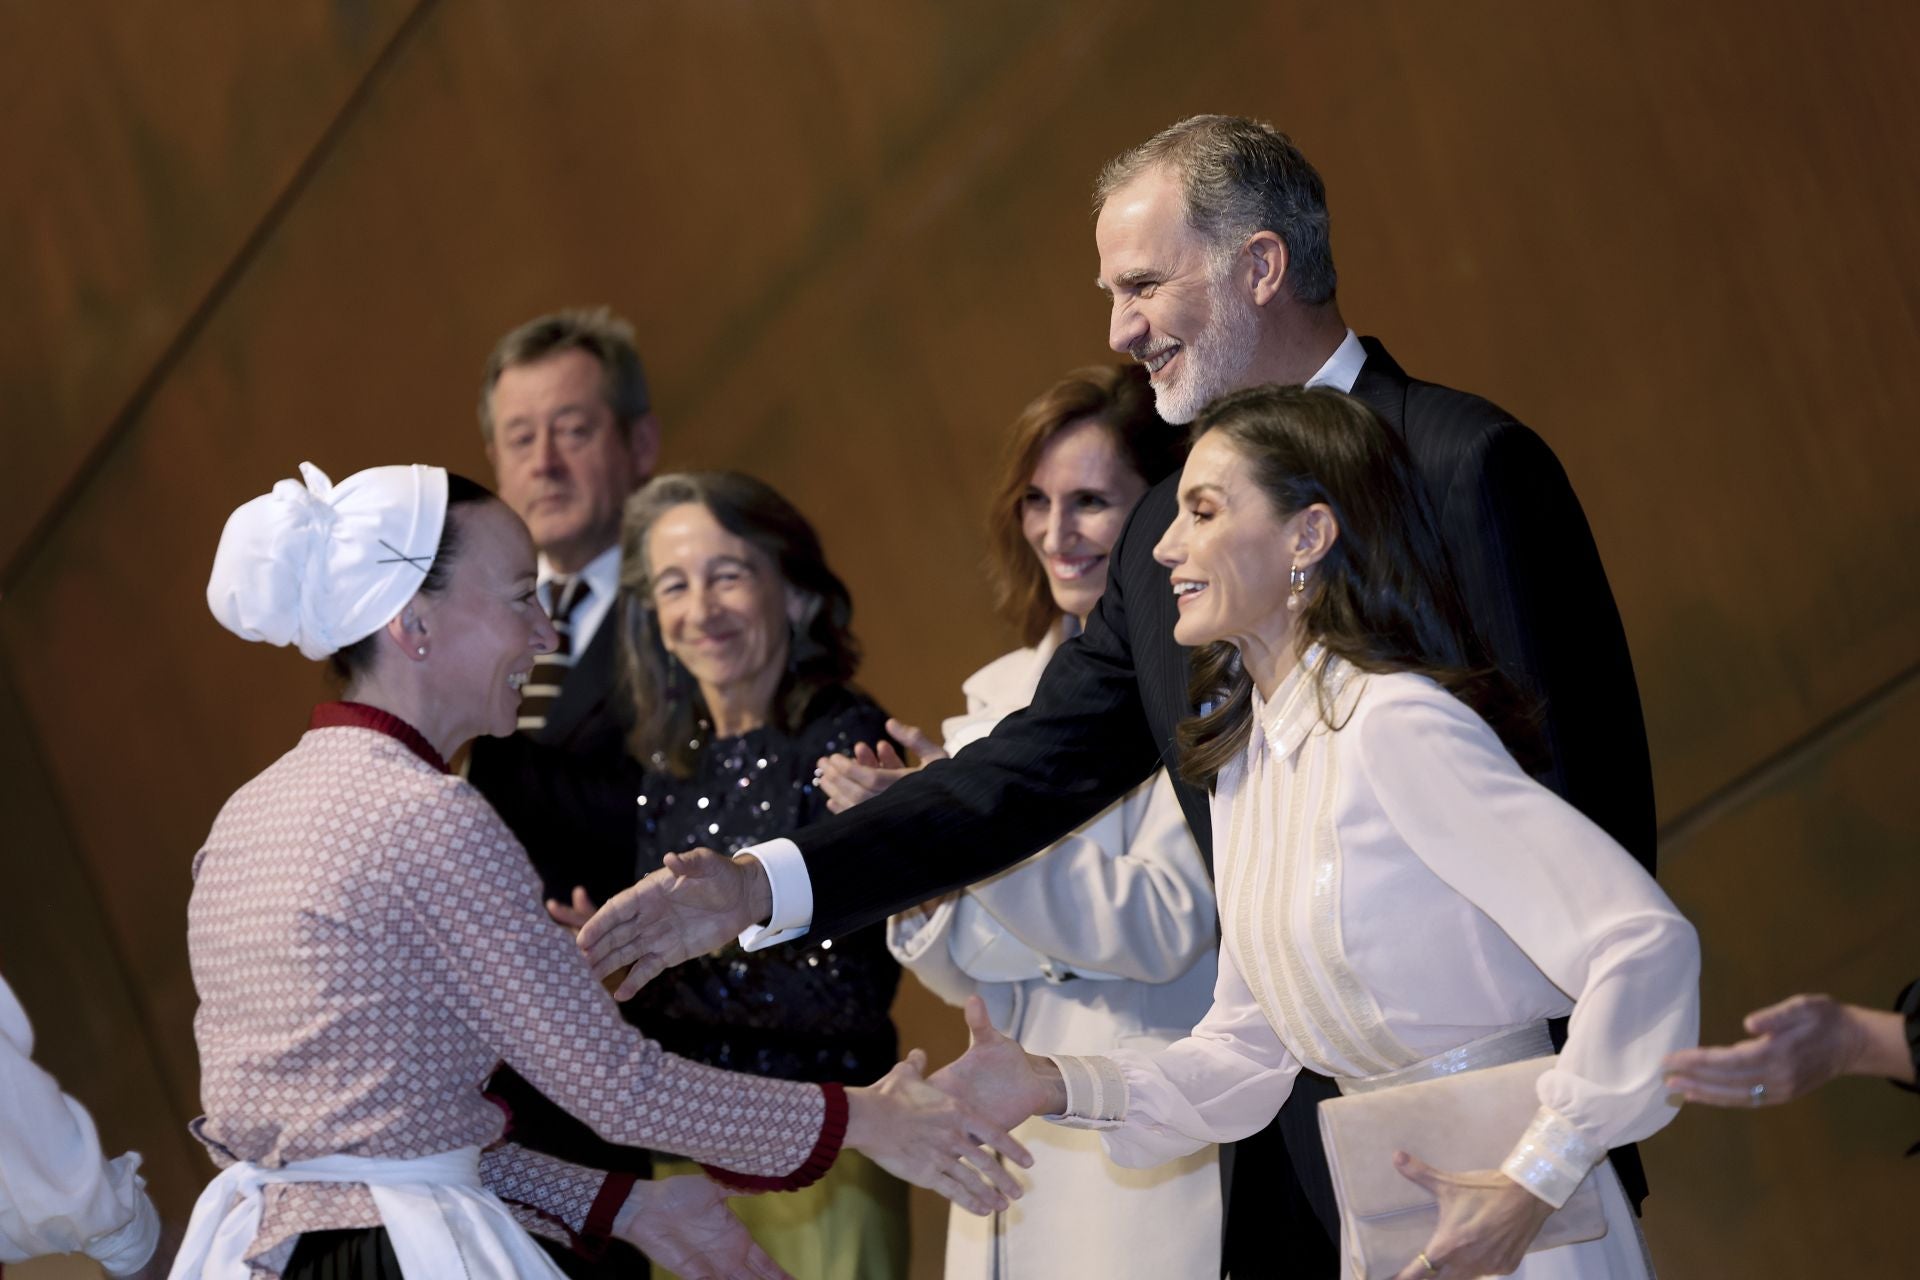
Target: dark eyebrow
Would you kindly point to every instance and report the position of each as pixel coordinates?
(1194, 491)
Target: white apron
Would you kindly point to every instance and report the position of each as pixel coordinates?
(440, 1220)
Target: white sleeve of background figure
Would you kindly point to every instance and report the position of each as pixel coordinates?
(58, 1193)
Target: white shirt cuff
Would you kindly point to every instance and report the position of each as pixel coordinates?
(1097, 1095)
(792, 890)
(1552, 1158)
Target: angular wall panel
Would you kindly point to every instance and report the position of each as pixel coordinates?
(854, 242)
(144, 143)
(1807, 885)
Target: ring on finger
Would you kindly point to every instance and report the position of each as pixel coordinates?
(1427, 1263)
(1758, 1094)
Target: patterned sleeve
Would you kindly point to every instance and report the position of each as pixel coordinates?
(556, 1199)
(489, 953)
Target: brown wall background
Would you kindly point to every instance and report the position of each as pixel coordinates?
(1681, 241)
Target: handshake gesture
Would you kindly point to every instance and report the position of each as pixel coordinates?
(946, 1132)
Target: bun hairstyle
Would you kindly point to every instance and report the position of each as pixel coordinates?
(356, 659)
(323, 567)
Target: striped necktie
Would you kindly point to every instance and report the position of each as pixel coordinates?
(542, 689)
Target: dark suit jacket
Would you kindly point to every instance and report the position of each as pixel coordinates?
(568, 791)
(1105, 711)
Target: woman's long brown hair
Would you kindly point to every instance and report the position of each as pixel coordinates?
(1384, 598)
(1119, 398)
(671, 718)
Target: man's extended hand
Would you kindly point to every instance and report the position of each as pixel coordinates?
(696, 902)
(683, 1224)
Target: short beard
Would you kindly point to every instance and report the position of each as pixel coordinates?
(1217, 359)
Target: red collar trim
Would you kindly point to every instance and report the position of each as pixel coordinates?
(358, 715)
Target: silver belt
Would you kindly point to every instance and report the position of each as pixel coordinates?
(1515, 1044)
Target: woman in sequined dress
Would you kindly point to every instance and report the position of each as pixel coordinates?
(737, 651)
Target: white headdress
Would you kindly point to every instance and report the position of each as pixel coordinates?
(320, 565)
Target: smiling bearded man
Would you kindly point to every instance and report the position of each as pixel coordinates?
(1213, 228)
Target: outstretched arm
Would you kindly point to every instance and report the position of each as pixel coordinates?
(519, 983)
(1083, 742)
(58, 1192)
(1795, 1047)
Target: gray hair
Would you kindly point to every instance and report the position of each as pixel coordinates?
(1240, 176)
(596, 331)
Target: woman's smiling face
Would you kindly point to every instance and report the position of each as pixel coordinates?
(721, 602)
(1228, 550)
(1075, 506)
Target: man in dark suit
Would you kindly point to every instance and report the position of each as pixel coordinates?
(1215, 253)
(570, 431)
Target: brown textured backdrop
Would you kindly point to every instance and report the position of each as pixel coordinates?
(853, 234)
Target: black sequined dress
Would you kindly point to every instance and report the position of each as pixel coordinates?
(813, 1009)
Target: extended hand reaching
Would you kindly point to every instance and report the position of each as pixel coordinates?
(999, 1079)
(683, 1224)
(573, 915)
(848, 780)
(918, 1133)
(1487, 1220)
(697, 901)
(1797, 1046)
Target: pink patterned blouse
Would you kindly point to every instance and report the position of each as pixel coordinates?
(368, 943)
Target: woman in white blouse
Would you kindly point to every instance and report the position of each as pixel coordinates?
(1104, 940)
(1393, 887)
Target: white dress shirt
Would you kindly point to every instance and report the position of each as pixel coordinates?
(786, 868)
(603, 581)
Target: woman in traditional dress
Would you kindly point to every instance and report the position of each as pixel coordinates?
(367, 942)
(1398, 898)
(1105, 939)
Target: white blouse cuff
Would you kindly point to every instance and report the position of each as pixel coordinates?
(1552, 1158)
(1096, 1092)
(128, 1247)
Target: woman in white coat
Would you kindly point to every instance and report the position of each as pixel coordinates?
(1104, 940)
(1399, 901)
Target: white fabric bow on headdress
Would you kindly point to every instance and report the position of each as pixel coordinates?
(321, 565)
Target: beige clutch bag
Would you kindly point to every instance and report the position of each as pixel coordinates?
(1457, 1123)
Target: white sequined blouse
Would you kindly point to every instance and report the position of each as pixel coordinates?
(1392, 889)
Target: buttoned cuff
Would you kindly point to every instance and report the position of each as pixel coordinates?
(792, 888)
(1096, 1092)
(1552, 1158)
